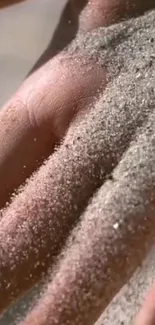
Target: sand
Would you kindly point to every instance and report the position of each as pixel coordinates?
(124, 111)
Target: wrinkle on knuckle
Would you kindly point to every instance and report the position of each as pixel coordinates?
(19, 111)
(39, 103)
(32, 105)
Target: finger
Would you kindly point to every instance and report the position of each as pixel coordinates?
(87, 15)
(34, 227)
(5, 3)
(98, 13)
(147, 313)
(39, 114)
(115, 233)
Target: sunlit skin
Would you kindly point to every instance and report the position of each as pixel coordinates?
(24, 119)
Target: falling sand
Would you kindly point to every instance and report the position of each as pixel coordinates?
(100, 182)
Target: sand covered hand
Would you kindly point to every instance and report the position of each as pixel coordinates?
(83, 124)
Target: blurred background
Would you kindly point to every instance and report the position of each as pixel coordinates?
(25, 32)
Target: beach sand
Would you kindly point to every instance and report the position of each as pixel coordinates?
(133, 66)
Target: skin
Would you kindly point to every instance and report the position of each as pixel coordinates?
(146, 315)
(6, 3)
(24, 119)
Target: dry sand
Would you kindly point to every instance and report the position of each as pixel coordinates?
(133, 70)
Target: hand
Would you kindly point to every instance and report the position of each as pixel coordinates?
(48, 105)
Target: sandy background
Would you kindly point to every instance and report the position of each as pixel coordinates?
(25, 31)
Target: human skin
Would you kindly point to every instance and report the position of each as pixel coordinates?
(146, 315)
(5, 3)
(24, 119)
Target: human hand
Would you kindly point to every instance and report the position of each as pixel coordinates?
(36, 119)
